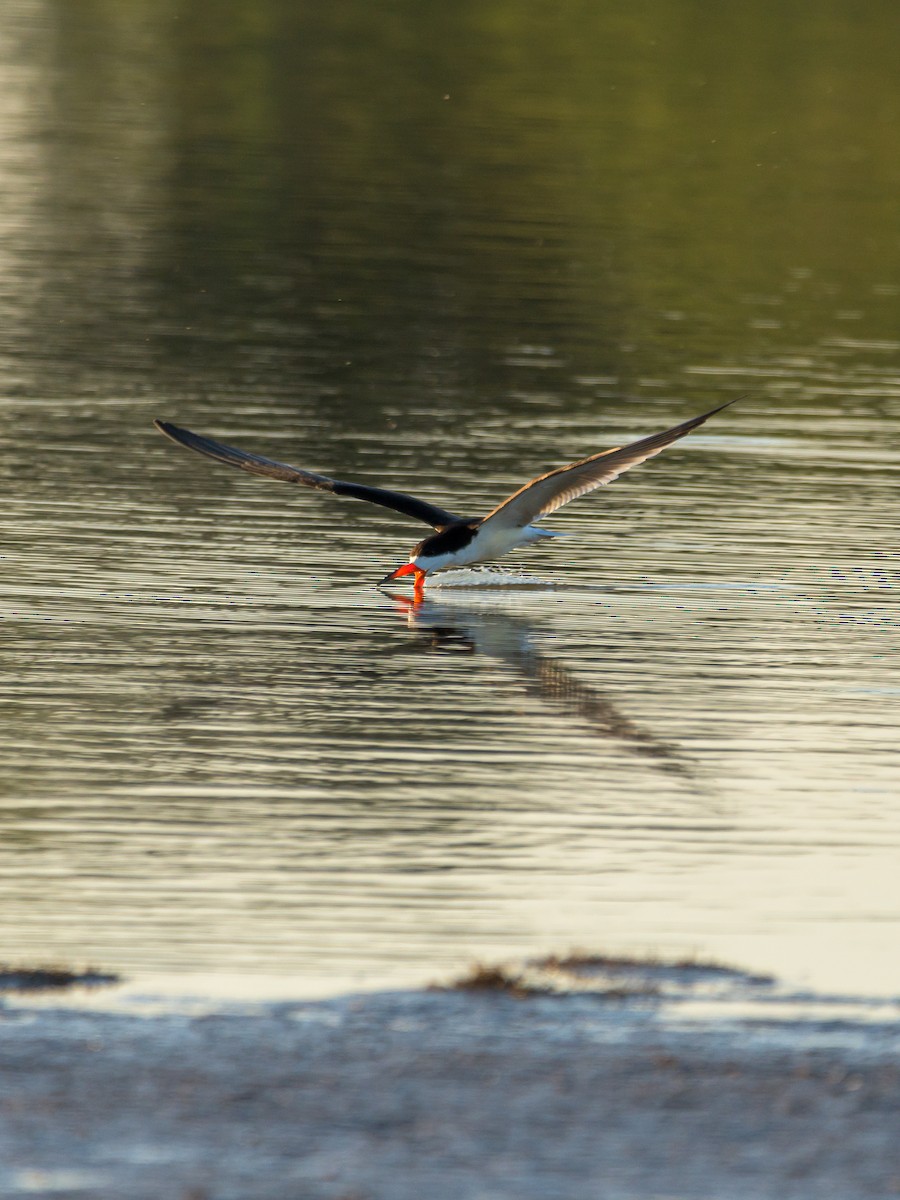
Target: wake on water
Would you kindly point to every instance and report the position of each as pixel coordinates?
(494, 578)
(481, 577)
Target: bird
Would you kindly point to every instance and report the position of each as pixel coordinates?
(460, 541)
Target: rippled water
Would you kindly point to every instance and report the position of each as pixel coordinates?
(226, 754)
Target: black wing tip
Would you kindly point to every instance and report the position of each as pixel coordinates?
(175, 433)
(702, 418)
(728, 403)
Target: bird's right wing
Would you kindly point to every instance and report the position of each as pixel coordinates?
(420, 510)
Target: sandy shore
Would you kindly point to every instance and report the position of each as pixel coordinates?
(446, 1095)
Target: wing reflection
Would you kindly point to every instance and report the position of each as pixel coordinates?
(508, 639)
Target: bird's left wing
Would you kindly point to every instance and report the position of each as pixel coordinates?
(549, 492)
(420, 510)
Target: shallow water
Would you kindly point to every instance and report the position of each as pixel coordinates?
(230, 762)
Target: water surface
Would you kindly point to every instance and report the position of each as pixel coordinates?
(446, 251)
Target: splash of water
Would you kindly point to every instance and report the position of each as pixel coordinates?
(480, 577)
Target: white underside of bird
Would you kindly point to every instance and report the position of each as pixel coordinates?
(488, 544)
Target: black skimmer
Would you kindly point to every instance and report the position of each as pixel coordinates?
(460, 541)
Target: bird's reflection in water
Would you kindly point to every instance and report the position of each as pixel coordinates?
(508, 639)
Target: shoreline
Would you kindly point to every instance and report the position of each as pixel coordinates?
(454, 1095)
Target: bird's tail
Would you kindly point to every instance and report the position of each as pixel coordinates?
(536, 534)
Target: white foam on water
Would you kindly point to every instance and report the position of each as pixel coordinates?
(476, 577)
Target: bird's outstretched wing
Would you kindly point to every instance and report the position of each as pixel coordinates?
(549, 492)
(420, 510)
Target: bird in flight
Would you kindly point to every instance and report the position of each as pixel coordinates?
(459, 541)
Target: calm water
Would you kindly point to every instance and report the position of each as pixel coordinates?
(446, 249)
